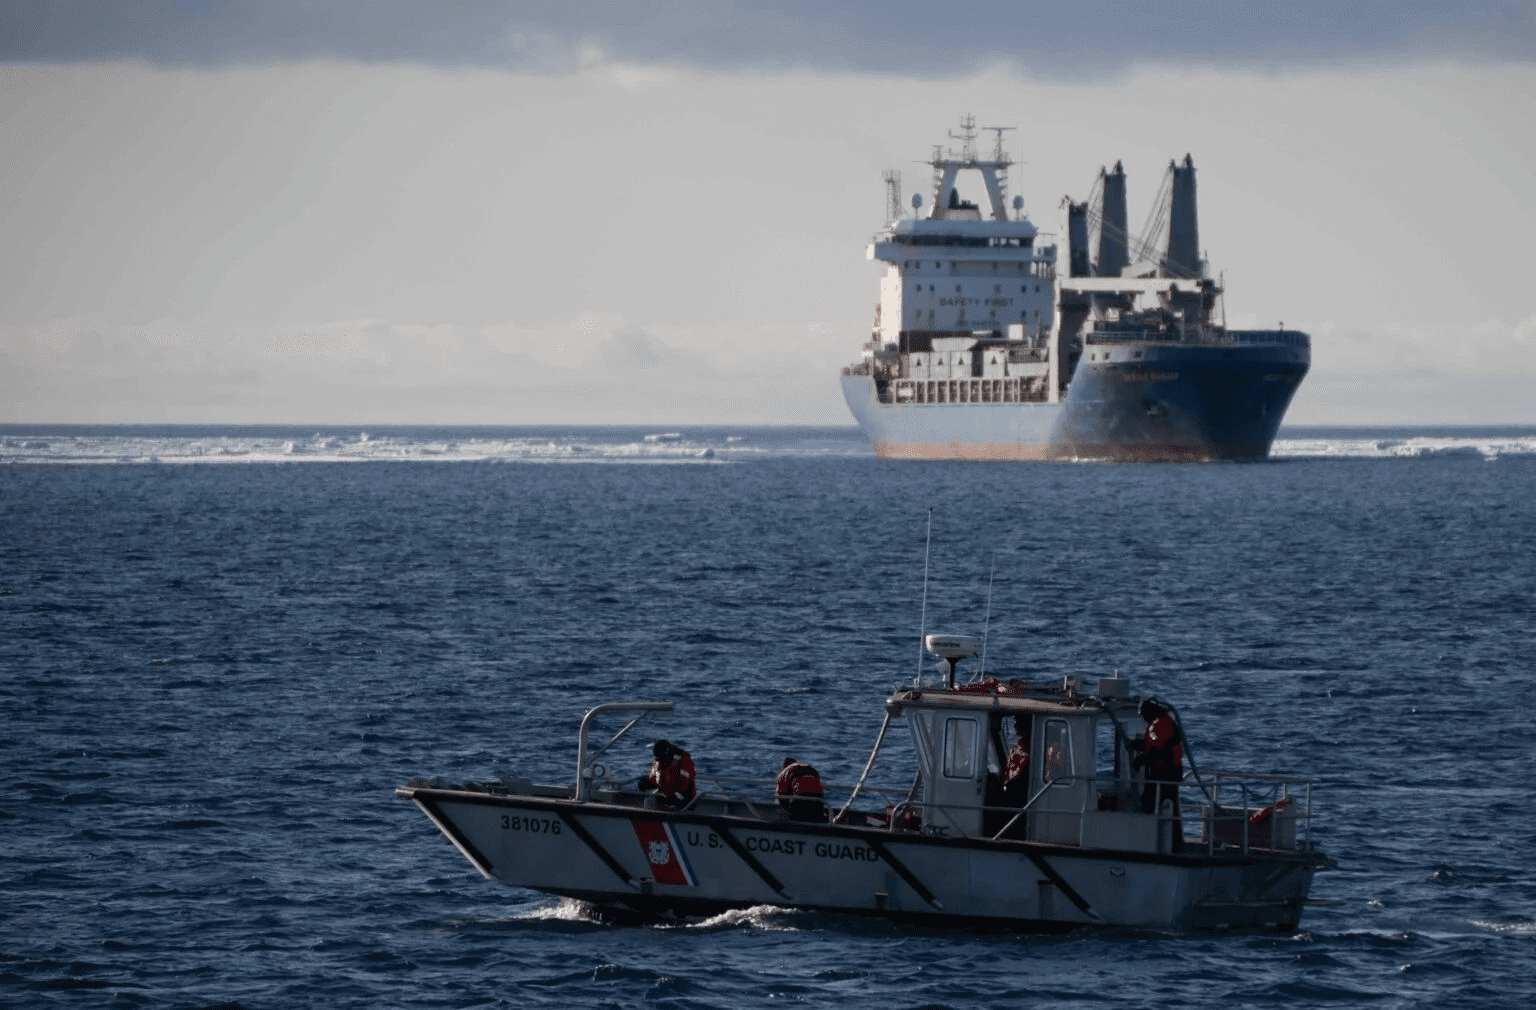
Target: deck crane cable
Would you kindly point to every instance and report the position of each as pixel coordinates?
(1152, 233)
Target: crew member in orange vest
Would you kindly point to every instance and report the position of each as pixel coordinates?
(672, 776)
(1162, 755)
(799, 790)
(1016, 769)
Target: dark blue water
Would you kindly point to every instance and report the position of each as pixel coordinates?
(213, 676)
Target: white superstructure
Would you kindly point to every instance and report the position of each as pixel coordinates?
(957, 273)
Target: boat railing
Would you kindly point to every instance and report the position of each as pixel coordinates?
(969, 389)
(584, 764)
(1197, 335)
(757, 795)
(1248, 810)
(1236, 812)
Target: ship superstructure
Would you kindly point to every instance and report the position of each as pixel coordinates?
(987, 345)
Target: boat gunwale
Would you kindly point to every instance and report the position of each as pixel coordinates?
(566, 807)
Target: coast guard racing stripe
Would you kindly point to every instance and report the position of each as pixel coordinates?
(663, 852)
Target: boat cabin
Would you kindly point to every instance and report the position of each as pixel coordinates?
(1080, 786)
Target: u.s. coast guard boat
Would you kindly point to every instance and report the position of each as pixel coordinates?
(986, 347)
(1074, 849)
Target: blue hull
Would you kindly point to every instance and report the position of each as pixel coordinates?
(1144, 402)
(1180, 402)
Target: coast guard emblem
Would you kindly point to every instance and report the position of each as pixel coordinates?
(664, 852)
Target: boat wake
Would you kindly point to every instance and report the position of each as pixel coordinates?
(764, 917)
(564, 910)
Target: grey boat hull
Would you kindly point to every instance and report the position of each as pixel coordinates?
(699, 863)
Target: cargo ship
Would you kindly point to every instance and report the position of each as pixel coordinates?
(987, 346)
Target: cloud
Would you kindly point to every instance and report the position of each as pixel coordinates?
(380, 243)
(1398, 373)
(587, 370)
(1494, 347)
(907, 39)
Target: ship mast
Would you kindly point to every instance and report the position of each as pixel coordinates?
(947, 164)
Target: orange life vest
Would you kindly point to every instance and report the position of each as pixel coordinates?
(674, 780)
(798, 780)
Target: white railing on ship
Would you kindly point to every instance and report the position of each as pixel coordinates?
(1199, 335)
(923, 392)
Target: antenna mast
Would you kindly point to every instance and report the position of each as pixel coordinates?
(922, 624)
(987, 624)
(967, 137)
(892, 195)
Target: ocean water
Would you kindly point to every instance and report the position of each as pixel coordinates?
(222, 648)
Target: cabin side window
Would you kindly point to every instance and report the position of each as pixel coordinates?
(1058, 751)
(960, 748)
(1112, 763)
(1108, 745)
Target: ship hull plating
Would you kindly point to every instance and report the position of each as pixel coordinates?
(1142, 403)
(1178, 403)
(977, 431)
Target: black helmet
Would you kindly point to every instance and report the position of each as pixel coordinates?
(1150, 710)
(661, 750)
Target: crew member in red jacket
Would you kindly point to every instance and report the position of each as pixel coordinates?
(672, 776)
(1162, 755)
(798, 787)
(1016, 769)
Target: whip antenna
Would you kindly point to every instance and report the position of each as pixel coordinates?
(987, 624)
(922, 624)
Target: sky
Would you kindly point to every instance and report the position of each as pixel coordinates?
(507, 213)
